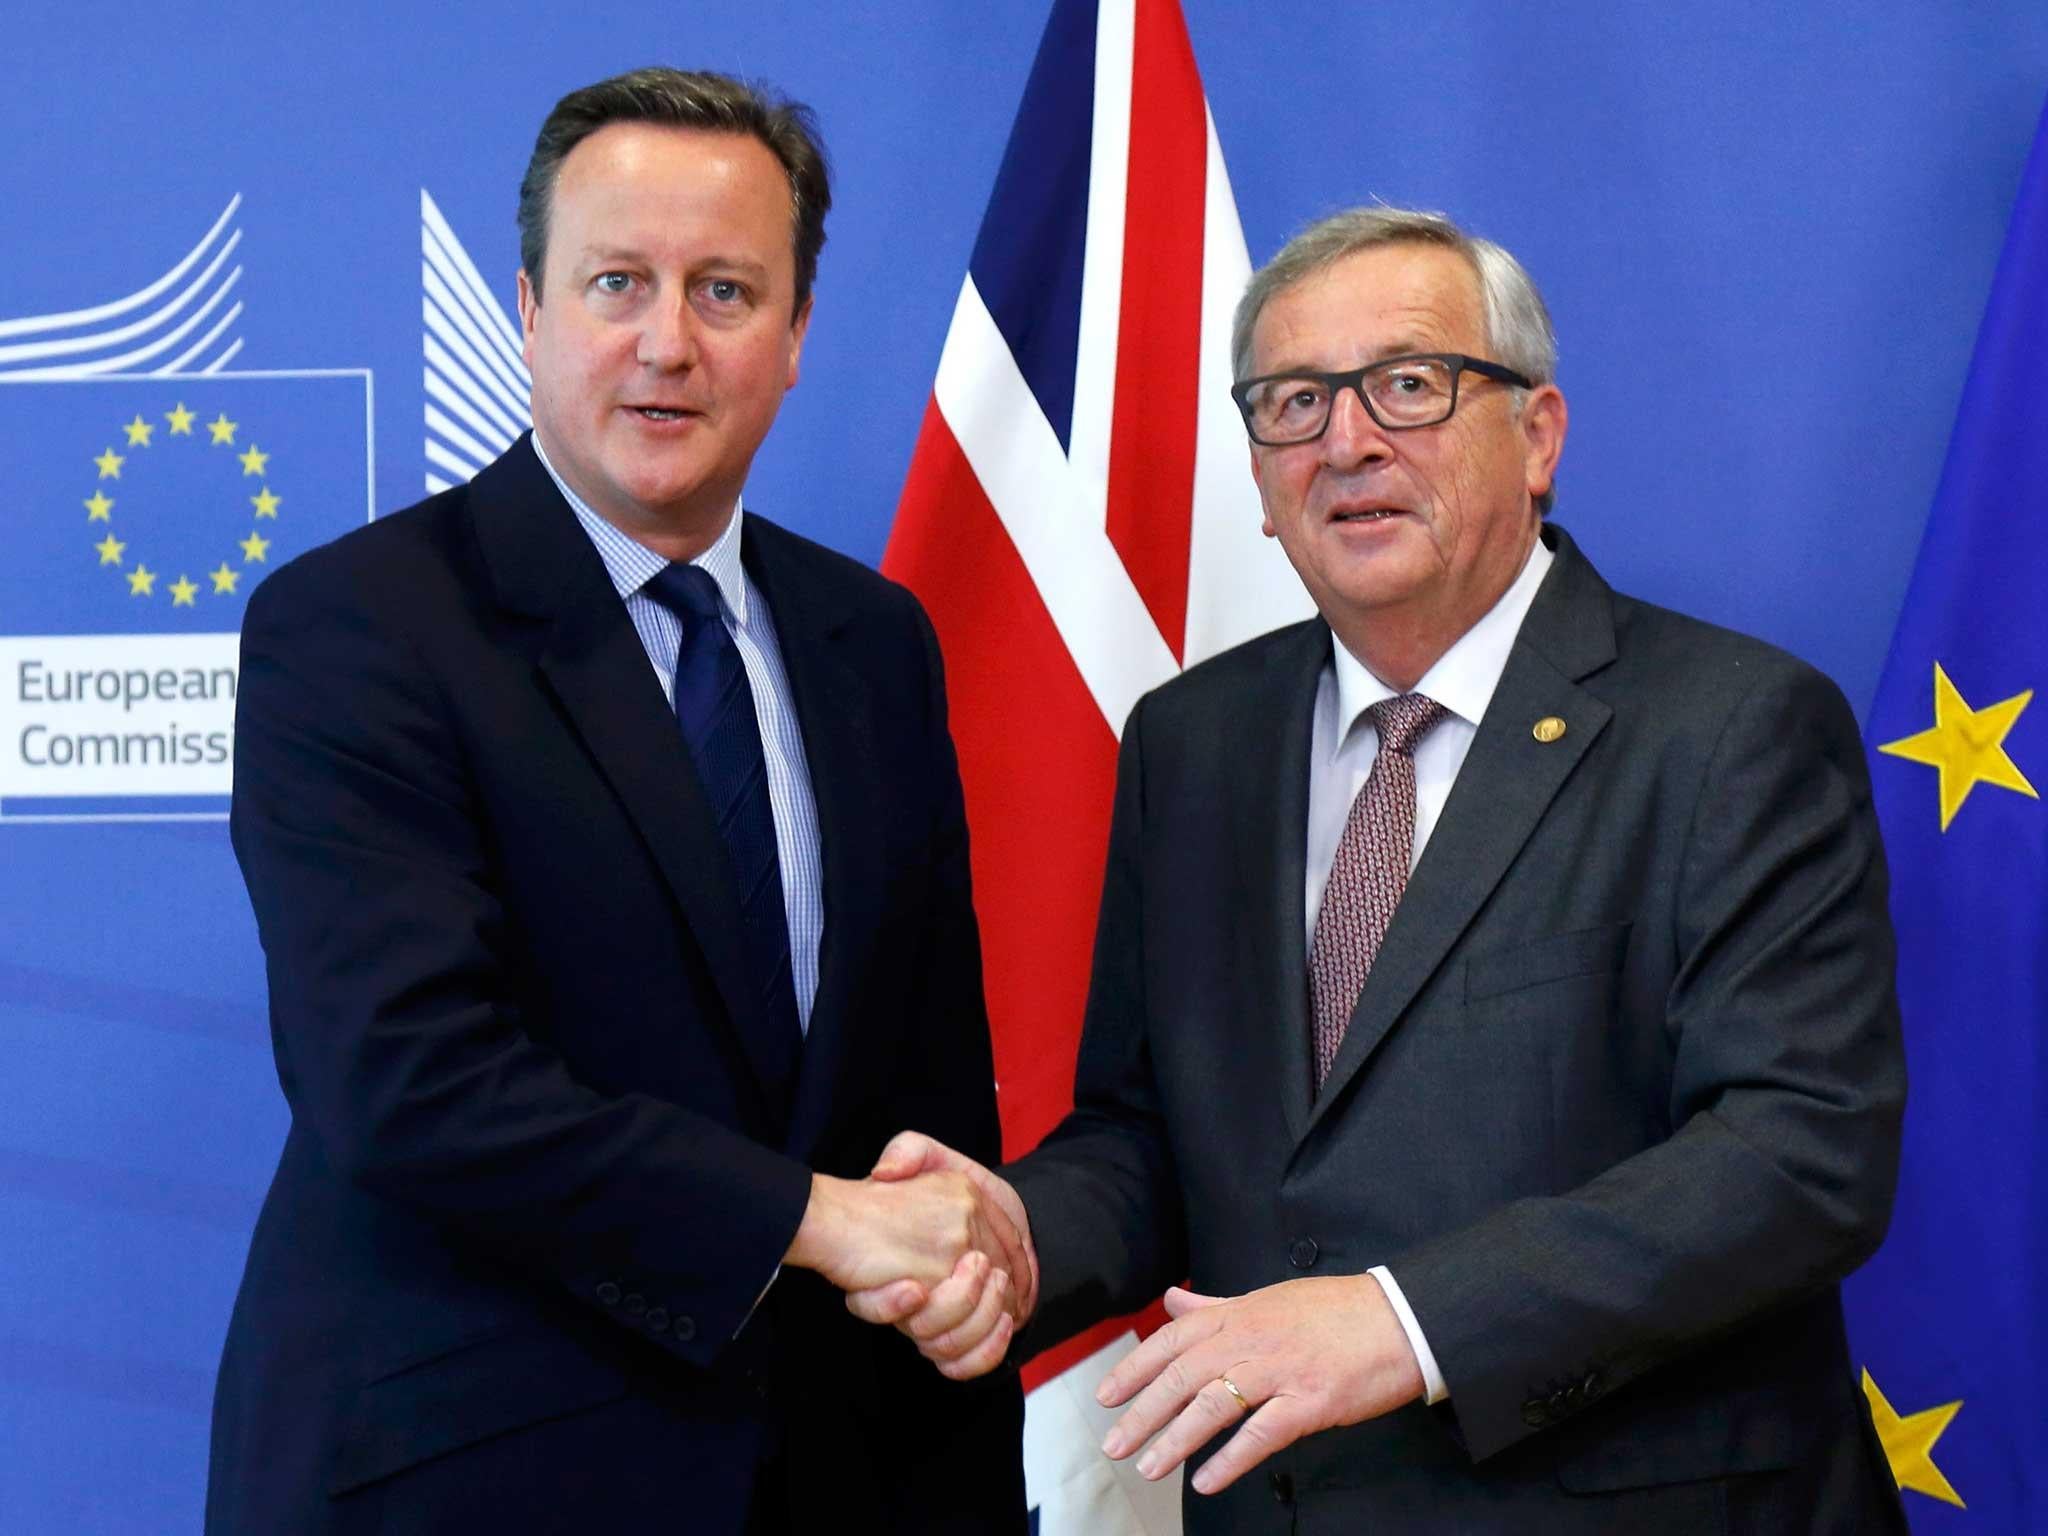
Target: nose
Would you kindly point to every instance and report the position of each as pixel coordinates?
(668, 341)
(1353, 438)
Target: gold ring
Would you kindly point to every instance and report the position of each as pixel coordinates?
(1231, 1387)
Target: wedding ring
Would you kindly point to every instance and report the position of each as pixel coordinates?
(1231, 1387)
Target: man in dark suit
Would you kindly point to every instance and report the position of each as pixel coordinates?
(1492, 1007)
(608, 853)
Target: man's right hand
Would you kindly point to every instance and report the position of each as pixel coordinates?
(964, 1324)
(862, 1234)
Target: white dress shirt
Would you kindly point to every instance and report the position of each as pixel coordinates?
(631, 564)
(1342, 747)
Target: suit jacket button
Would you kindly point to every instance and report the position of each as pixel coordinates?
(1303, 1254)
(635, 1304)
(1536, 1413)
(1283, 1486)
(1591, 1385)
(657, 1319)
(686, 1328)
(608, 1293)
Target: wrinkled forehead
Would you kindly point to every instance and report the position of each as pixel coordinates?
(1407, 296)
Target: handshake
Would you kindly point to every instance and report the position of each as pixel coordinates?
(931, 1242)
(939, 1246)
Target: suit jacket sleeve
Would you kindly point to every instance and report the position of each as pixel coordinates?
(402, 1041)
(1786, 1092)
(1102, 1192)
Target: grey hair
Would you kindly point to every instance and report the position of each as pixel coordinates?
(1518, 329)
(1518, 326)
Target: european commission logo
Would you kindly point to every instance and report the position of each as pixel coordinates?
(478, 390)
(144, 506)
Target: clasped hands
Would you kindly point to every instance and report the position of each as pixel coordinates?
(1278, 1363)
(931, 1242)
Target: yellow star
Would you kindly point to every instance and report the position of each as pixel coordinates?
(222, 429)
(141, 581)
(1909, 1444)
(110, 464)
(139, 432)
(266, 505)
(224, 579)
(255, 547)
(97, 506)
(183, 591)
(180, 420)
(1965, 745)
(254, 460)
(110, 550)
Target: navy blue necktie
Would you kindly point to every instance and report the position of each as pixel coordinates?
(715, 708)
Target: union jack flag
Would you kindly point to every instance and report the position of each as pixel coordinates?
(1080, 521)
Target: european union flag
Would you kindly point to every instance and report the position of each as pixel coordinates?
(144, 511)
(1951, 1317)
(153, 505)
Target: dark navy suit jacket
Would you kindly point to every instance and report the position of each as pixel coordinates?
(533, 1186)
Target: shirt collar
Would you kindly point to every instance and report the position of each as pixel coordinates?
(631, 564)
(1464, 677)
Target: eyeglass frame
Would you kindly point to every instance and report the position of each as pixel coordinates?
(1353, 379)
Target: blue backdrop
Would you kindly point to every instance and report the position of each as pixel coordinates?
(1766, 239)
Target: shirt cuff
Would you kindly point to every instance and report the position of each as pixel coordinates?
(1434, 1388)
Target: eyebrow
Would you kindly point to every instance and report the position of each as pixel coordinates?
(1406, 347)
(601, 255)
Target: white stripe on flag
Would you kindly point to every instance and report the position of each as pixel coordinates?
(1239, 581)
(1010, 445)
(1102, 275)
(1067, 1479)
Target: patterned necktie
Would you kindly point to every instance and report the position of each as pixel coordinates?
(715, 708)
(1368, 874)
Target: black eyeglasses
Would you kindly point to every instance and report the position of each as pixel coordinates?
(1418, 390)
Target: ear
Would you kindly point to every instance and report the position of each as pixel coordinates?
(798, 329)
(1259, 479)
(529, 315)
(1542, 424)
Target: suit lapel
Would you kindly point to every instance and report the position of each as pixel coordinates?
(835, 717)
(1273, 853)
(1508, 781)
(593, 662)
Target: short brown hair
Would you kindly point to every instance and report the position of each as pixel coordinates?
(682, 98)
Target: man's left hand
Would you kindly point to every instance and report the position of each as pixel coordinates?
(1306, 1355)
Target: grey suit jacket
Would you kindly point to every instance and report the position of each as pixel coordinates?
(1619, 1104)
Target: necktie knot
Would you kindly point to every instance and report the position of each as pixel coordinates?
(688, 591)
(1404, 720)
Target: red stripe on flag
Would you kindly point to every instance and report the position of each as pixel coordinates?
(1039, 765)
(1063, 1357)
(1152, 441)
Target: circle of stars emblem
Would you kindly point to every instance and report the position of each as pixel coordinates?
(224, 580)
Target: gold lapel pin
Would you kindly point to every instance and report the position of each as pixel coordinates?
(1548, 729)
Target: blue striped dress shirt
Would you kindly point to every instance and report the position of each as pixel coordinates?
(747, 619)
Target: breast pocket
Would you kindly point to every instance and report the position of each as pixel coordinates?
(1585, 955)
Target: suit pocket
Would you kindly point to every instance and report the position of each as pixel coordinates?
(477, 1389)
(1634, 1463)
(1689, 1437)
(1561, 956)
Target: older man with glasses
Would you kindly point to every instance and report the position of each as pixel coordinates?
(1492, 1019)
